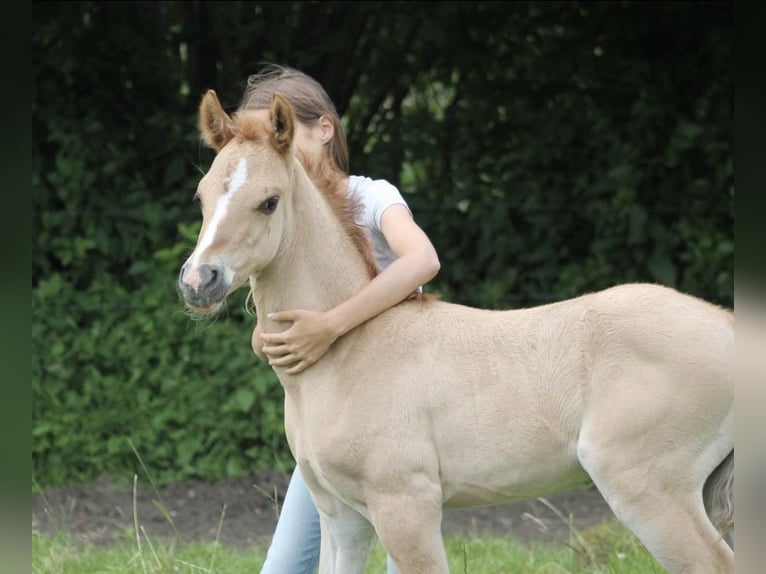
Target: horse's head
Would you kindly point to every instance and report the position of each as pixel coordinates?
(241, 197)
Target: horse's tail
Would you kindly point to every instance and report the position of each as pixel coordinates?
(719, 497)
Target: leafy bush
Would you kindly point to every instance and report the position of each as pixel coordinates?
(111, 370)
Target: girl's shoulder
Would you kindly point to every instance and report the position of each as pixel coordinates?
(363, 185)
(377, 192)
(375, 195)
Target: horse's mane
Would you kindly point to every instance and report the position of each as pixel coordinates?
(247, 127)
(346, 206)
(330, 182)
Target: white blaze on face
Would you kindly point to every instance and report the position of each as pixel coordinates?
(233, 184)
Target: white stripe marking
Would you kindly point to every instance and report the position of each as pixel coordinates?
(235, 181)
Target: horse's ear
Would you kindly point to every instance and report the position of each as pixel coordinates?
(282, 123)
(214, 122)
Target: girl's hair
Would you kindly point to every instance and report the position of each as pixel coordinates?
(308, 99)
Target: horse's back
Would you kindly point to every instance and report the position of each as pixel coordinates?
(557, 356)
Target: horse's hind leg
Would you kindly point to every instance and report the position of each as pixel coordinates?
(677, 532)
(665, 512)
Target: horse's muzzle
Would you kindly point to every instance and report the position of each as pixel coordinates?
(203, 288)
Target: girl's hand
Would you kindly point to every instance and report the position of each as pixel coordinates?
(303, 344)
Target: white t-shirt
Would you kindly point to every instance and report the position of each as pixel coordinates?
(376, 195)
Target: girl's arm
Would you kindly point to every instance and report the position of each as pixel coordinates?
(312, 332)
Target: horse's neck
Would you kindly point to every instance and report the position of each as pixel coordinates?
(318, 266)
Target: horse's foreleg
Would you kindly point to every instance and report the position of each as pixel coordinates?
(408, 526)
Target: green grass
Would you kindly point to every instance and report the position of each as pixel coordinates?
(608, 548)
(57, 555)
(605, 549)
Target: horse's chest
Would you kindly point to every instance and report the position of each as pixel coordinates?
(320, 432)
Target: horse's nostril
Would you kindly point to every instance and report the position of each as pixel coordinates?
(209, 275)
(203, 286)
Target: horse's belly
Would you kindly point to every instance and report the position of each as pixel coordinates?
(486, 468)
(510, 486)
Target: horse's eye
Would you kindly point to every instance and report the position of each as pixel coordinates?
(269, 205)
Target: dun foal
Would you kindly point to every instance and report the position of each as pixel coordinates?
(434, 405)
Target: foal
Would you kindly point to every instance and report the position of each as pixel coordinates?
(434, 405)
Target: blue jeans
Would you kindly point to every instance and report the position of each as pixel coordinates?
(295, 546)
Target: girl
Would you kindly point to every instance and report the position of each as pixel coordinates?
(406, 259)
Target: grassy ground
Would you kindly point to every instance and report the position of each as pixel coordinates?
(608, 548)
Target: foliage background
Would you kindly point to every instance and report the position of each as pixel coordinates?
(548, 149)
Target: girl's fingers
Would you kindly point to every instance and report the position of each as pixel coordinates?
(282, 361)
(273, 338)
(298, 368)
